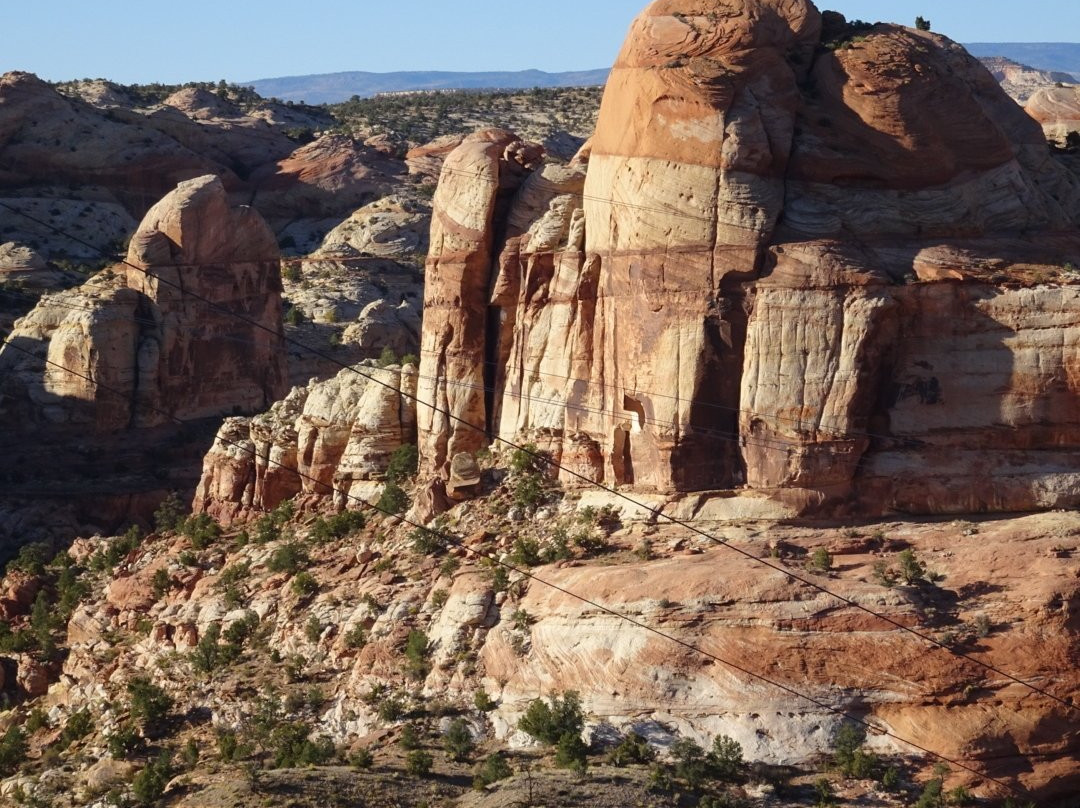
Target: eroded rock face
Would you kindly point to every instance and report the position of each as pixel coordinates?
(797, 255)
(138, 336)
(1058, 110)
(329, 441)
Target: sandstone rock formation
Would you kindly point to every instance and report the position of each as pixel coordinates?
(140, 335)
(1058, 110)
(823, 261)
(1020, 81)
(326, 442)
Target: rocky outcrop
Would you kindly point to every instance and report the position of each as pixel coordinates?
(808, 257)
(198, 299)
(1058, 110)
(327, 442)
(1020, 81)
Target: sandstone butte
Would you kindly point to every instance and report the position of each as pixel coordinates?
(826, 264)
(144, 351)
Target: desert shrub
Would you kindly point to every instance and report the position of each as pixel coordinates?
(190, 754)
(526, 552)
(493, 769)
(229, 747)
(416, 654)
(304, 584)
(394, 499)
(161, 583)
(922, 24)
(362, 758)
(289, 557)
(12, 750)
(823, 791)
(418, 763)
(571, 752)
(337, 526)
(148, 704)
(387, 357)
(425, 542)
(884, 574)
(848, 755)
(458, 741)
(726, 758)
(912, 571)
(821, 560)
(390, 709)
(355, 637)
(439, 598)
(313, 630)
(170, 513)
(37, 720)
(529, 490)
(31, 559)
(403, 463)
(483, 702)
(76, 728)
(550, 722)
(410, 737)
(123, 742)
(210, 654)
(633, 749)
(149, 784)
(202, 530)
(293, 746)
(691, 764)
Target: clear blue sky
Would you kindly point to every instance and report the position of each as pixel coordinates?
(139, 41)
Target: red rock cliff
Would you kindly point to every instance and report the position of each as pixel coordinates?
(822, 261)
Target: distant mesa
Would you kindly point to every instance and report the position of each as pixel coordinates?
(332, 88)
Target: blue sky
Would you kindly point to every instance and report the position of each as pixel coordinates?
(138, 41)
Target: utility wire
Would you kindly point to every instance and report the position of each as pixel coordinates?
(656, 513)
(449, 541)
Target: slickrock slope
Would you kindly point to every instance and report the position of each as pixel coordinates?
(1058, 110)
(326, 442)
(826, 262)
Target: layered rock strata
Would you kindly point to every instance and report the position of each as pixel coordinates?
(328, 442)
(1058, 110)
(799, 255)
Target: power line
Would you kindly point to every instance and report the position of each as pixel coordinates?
(654, 512)
(449, 541)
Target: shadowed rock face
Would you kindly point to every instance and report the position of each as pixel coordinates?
(821, 261)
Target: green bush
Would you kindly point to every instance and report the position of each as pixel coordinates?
(526, 552)
(293, 746)
(76, 728)
(403, 463)
(148, 704)
(202, 530)
(124, 742)
(170, 513)
(355, 637)
(149, 784)
(12, 751)
(36, 721)
(410, 737)
(571, 752)
(161, 583)
(387, 357)
(394, 500)
(416, 654)
(549, 723)
(31, 559)
(726, 758)
(458, 741)
(426, 542)
(483, 702)
(304, 584)
(289, 557)
(633, 749)
(313, 630)
(912, 571)
(337, 526)
(821, 560)
(362, 758)
(418, 763)
(493, 769)
(691, 764)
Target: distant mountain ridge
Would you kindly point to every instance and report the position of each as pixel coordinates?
(330, 88)
(1063, 57)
